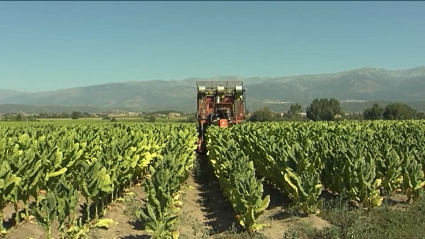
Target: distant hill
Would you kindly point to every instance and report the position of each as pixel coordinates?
(364, 85)
(4, 93)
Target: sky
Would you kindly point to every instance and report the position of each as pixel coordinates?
(54, 45)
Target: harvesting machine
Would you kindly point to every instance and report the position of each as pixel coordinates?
(220, 103)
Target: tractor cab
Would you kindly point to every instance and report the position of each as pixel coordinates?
(221, 115)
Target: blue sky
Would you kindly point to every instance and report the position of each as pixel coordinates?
(54, 45)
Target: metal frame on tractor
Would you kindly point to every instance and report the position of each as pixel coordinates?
(220, 103)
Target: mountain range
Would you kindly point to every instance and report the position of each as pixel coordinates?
(360, 86)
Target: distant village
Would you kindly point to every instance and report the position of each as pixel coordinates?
(22, 116)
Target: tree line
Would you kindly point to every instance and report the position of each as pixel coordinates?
(325, 109)
(35, 117)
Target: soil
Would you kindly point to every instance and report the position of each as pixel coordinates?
(205, 214)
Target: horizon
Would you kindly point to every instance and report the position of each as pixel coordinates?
(44, 47)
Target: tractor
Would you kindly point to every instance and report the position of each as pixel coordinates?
(220, 103)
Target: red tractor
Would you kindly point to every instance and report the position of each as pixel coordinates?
(220, 103)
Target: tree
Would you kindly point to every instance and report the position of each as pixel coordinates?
(399, 111)
(192, 119)
(324, 109)
(293, 112)
(75, 115)
(152, 119)
(263, 114)
(374, 113)
(420, 115)
(19, 117)
(6, 117)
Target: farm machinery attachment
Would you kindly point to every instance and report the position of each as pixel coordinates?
(220, 103)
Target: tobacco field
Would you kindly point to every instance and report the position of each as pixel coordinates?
(65, 178)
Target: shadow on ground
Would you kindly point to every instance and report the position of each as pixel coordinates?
(137, 237)
(219, 211)
(12, 221)
(140, 227)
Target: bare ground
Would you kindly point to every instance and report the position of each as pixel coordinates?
(205, 214)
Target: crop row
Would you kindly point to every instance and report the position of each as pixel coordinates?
(54, 165)
(362, 160)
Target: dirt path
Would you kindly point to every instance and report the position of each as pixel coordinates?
(205, 212)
